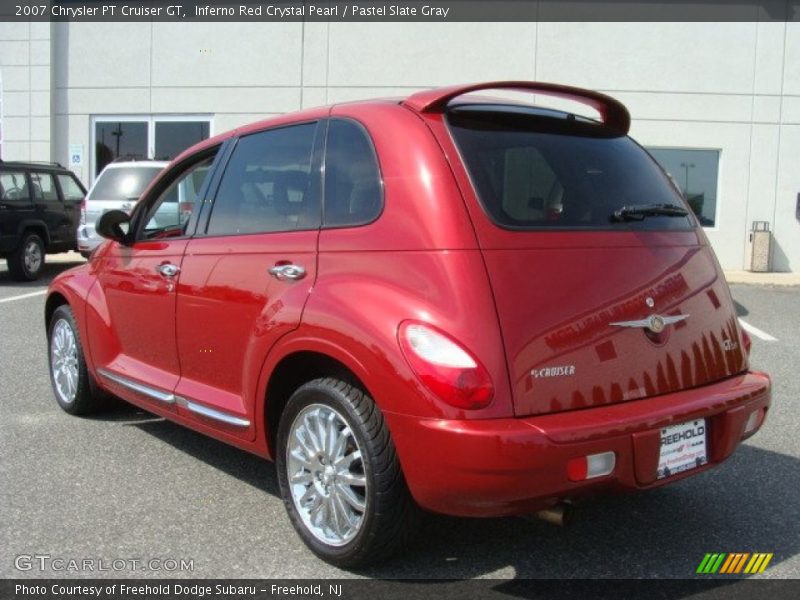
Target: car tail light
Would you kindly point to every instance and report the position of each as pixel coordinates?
(591, 466)
(83, 212)
(747, 342)
(445, 367)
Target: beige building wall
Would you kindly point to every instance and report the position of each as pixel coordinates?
(731, 87)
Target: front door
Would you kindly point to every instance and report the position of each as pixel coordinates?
(133, 346)
(246, 276)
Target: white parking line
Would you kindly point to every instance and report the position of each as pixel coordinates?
(756, 331)
(23, 296)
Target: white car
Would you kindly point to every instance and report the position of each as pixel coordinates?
(118, 186)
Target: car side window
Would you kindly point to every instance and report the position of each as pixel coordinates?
(70, 188)
(169, 215)
(353, 186)
(14, 187)
(268, 185)
(44, 187)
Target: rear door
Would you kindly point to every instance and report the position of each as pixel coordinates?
(72, 194)
(593, 310)
(16, 207)
(248, 272)
(50, 208)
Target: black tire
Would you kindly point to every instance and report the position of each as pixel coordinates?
(87, 398)
(391, 518)
(24, 266)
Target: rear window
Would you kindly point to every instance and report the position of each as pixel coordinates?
(537, 170)
(122, 183)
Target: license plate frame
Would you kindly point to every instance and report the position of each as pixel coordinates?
(683, 447)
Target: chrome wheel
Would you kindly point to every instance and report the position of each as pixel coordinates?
(326, 476)
(64, 361)
(32, 256)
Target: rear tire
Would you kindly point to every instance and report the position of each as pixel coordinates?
(25, 263)
(340, 477)
(73, 387)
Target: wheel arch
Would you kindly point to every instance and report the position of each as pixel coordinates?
(37, 227)
(54, 300)
(293, 369)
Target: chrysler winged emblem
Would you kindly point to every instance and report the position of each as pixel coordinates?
(654, 323)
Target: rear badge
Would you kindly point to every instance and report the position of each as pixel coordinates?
(560, 371)
(654, 323)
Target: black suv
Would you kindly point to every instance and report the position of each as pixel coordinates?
(40, 207)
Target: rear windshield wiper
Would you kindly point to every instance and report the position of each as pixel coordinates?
(637, 212)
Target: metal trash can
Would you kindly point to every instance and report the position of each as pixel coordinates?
(760, 247)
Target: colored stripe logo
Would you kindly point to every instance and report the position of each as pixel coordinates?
(734, 563)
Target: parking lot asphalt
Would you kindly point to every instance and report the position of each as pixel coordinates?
(126, 485)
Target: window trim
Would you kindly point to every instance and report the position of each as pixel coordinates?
(150, 120)
(201, 231)
(162, 182)
(375, 154)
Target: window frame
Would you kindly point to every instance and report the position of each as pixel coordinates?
(315, 170)
(150, 120)
(75, 180)
(381, 183)
(164, 180)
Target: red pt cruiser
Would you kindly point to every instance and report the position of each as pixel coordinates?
(466, 305)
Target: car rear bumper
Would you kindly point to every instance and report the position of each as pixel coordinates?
(515, 466)
(88, 239)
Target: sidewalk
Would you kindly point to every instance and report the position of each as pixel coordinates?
(762, 278)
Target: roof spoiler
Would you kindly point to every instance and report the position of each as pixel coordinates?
(612, 112)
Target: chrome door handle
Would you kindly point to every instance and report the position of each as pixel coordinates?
(287, 272)
(168, 269)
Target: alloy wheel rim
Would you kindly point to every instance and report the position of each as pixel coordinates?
(32, 257)
(64, 361)
(325, 471)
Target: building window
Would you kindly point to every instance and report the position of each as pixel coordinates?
(696, 173)
(145, 137)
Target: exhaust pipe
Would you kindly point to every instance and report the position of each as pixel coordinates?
(561, 514)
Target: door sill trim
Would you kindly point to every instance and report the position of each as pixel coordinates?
(168, 398)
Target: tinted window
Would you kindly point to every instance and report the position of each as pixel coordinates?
(539, 171)
(695, 172)
(44, 187)
(14, 187)
(122, 183)
(267, 185)
(70, 188)
(173, 137)
(119, 138)
(353, 190)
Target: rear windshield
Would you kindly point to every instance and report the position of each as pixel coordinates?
(536, 170)
(122, 183)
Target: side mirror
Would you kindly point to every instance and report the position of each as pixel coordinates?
(114, 225)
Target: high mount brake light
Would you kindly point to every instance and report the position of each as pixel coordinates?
(445, 367)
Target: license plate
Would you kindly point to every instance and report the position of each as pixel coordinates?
(683, 447)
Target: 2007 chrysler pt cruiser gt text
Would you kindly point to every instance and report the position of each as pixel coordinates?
(450, 302)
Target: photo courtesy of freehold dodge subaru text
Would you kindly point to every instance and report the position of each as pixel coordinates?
(448, 302)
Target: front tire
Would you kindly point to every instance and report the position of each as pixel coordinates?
(73, 388)
(27, 261)
(339, 475)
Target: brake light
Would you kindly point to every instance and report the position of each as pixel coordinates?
(445, 367)
(83, 211)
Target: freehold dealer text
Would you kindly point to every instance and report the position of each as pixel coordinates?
(197, 590)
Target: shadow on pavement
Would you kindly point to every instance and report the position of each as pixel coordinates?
(49, 271)
(739, 507)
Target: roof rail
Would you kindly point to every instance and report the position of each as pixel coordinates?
(612, 112)
(33, 162)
